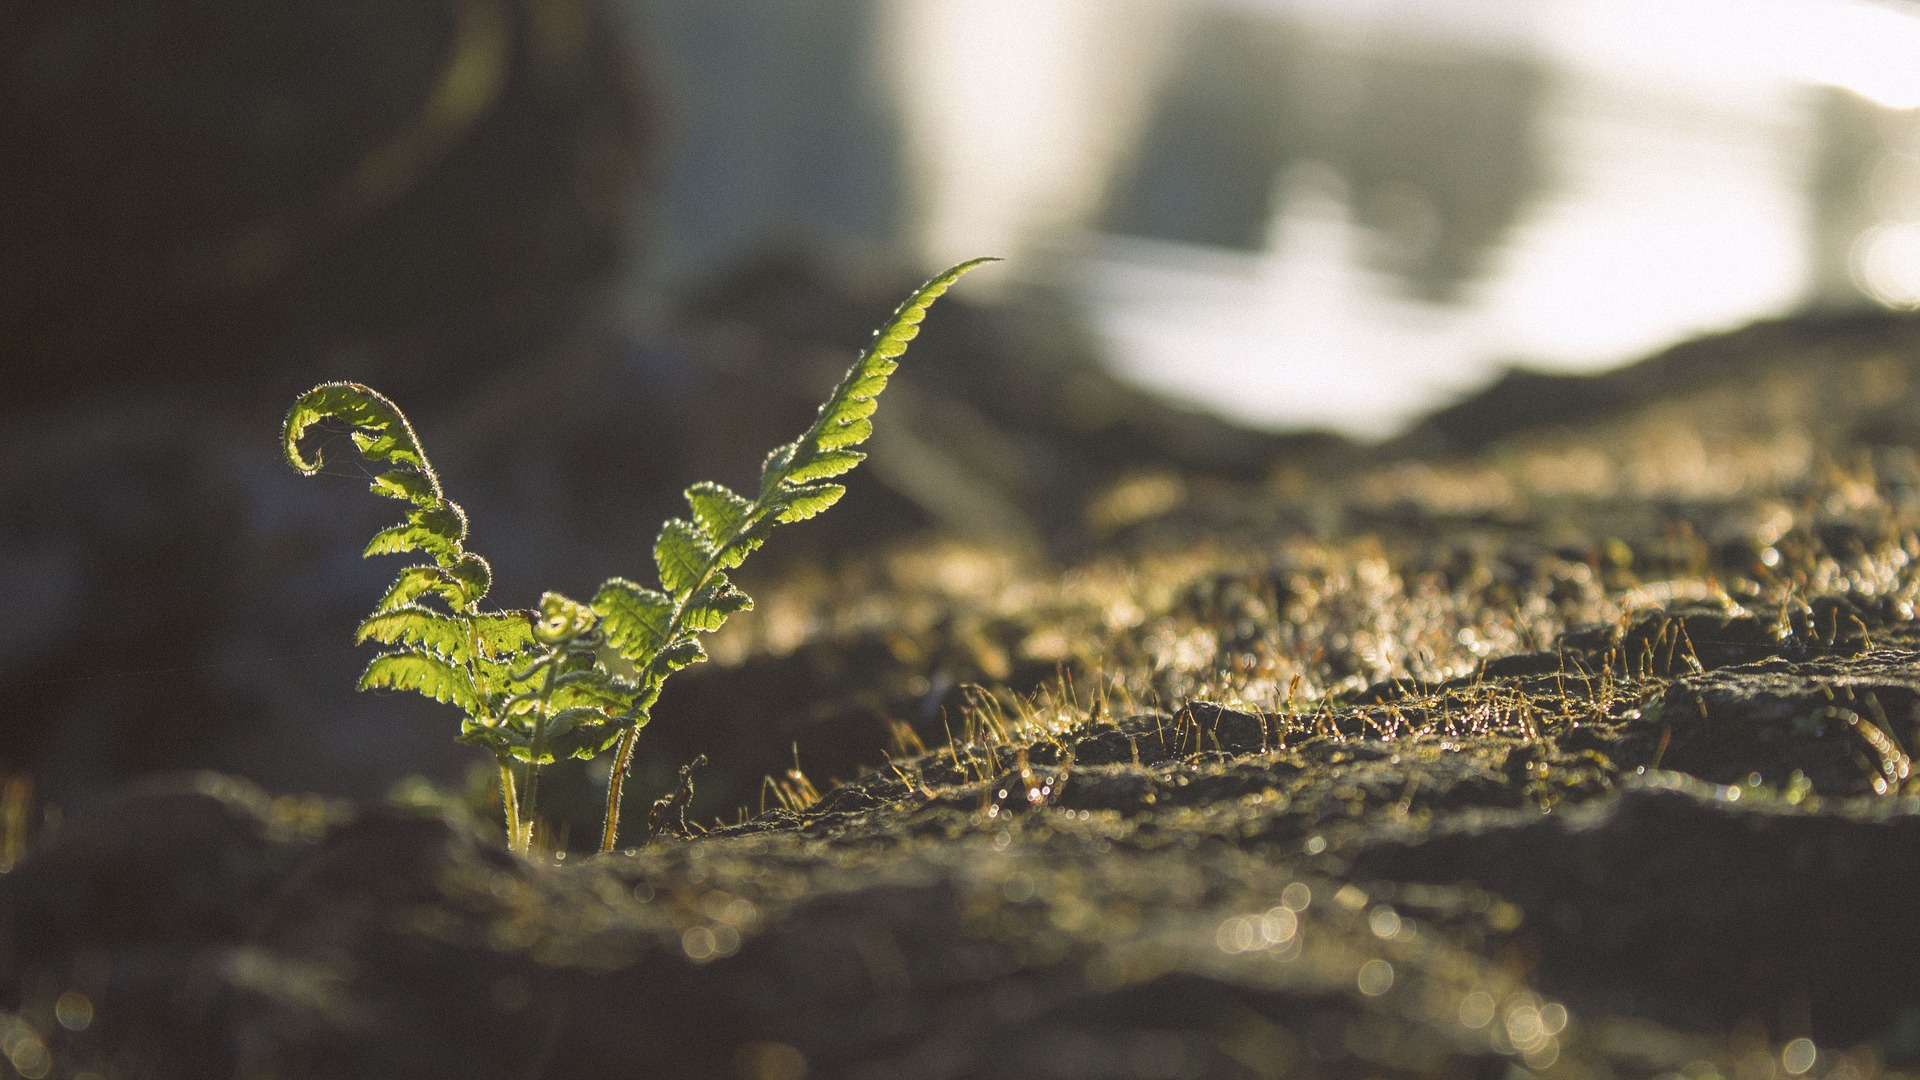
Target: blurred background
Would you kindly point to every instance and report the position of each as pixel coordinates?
(600, 249)
(1307, 213)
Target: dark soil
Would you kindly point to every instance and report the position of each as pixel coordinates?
(1580, 753)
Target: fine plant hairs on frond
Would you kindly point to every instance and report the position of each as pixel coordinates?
(440, 644)
(654, 632)
(573, 679)
(434, 526)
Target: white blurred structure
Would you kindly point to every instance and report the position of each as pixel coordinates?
(1680, 139)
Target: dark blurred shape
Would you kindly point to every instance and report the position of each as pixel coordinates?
(1223, 127)
(210, 206)
(1443, 151)
(781, 126)
(199, 189)
(1439, 144)
(1524, 403)
(1850, 140)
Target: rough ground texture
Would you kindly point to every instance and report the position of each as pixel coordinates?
(1517, 749)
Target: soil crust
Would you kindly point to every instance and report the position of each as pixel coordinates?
(1583, 753)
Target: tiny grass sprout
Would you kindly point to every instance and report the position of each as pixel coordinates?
(573, 679)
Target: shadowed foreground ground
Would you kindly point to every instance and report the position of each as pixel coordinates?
(1515, 750)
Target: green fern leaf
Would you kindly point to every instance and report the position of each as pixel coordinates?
(418, 581)
(473, 573)
(572, 679)
(846, 431)
(445, 636)
(587, 745)
(634, 619)
(382, 431)
(843, 419)
(434, 530)
(801, 503)
(718, 511)
(406, 484)
(585, 741)
(598, 694)
(824, 465)
(503, 634)
(749, 539)
(708, 609)
(683, 652)
(496, 680)
(435, 526)
(682, 555)
(561, 621)
(567, 718)
(386, 446)
(423, 674)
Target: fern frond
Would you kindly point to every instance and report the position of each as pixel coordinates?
(586, 738)
(707, 610)
(561, 620)
(404, 484)
(634, 619)
(436, 526)
(417, 582)
(718, 511)
(653, 632)
(843, 418)
(423, 674)
(435, 530)
(683, 557)
(496, 680)
(381, 430)
(572, 679)
(502, 634)
(824, 466)
(448, 637)
(567, 719)
(801, 503)
(684, 652)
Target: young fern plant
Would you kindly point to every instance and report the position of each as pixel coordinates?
(572, 679)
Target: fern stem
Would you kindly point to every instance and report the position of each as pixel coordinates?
(539, 747)
(524, 843)
(511, 799)
(616, 781)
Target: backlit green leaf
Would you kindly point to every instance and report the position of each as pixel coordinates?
(435, 531)
(414, 486)
(848, 431)
(634, 619)
(504, 633)
(826, 464)
(682, 555)
(804, 502)
(417, 581)
(718, 511)
(378, 424)
(572, 679)
(843, 418)
(681, 653)
(446, 636)
(474, 575)
(423, 674)
(708, 609)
